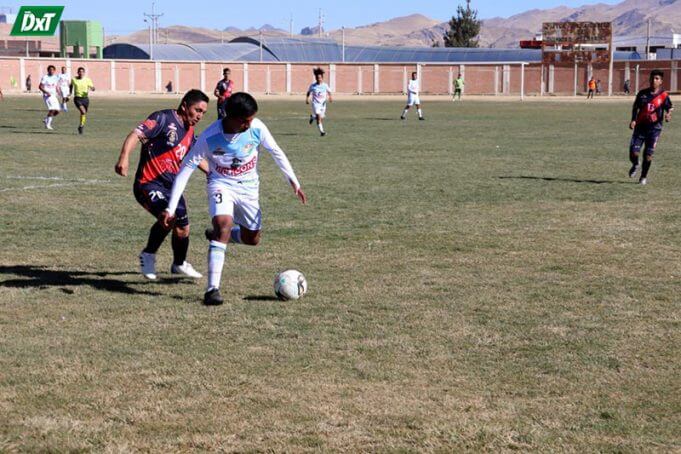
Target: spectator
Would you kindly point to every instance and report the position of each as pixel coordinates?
(28, 83)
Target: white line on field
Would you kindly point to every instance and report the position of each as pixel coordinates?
(67, 182)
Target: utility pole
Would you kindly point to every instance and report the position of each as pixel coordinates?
(648, 41)
(260, 45)
(321, 22)
(153, 29)
(290, 27)
(343, 41)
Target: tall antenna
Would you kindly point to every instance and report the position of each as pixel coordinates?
(290, 26)
(153, 29)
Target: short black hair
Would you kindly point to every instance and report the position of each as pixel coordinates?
(192, 97)
(656, 72)
(224, 70)
(318, 72)
(79, 68)
(414, 73)
(241, 105)
(51, 66)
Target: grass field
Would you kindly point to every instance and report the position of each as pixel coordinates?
(486, 280)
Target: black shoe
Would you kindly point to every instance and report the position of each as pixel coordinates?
(212, 297)
(80, 129)
(323, 134)
(633, 170)
(403, 118)
(209, 233)
(421, 118)
(311, 119)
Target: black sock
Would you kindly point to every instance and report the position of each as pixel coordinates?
(646, 167)
(634, 159)
(180, 248)
(156, 236)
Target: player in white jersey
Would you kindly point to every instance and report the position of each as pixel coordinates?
(48, 85)
(230, 146)
(320, 93)
(64, 88)
(412, 97)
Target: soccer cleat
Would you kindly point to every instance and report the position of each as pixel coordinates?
(403, 118)
(421, 118)
(323, 134)
(186, 269)
(80, 129)
(148, 265)
(311, 119)
(212, 297)
(643, 181)
(633, 171)
(49, 127)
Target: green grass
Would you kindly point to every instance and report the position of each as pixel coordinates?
(486, 280)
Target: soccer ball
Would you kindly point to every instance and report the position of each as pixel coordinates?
(290, 285)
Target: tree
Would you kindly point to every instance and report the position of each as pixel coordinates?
(464, 28)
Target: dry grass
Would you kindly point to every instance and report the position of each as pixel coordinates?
(487, 280)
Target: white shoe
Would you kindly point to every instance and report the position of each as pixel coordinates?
(643, 181)
(49, 127)
(187, 269)
(148, 265)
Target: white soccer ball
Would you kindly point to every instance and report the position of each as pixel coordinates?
(290, 285)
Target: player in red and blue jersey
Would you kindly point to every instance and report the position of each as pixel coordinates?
(223, 90)
(166, 136)
(651, 107)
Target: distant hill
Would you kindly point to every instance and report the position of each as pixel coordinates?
(629, 18)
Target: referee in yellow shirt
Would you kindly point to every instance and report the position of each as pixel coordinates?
(80, 87)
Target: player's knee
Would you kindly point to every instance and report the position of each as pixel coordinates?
(181, 231)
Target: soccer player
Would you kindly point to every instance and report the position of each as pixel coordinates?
(458, 87)
(592, 88)
(64, 88)
(651, 106)
(166, 136)
(223, 90)
(81, 87)
(231, 148)
(320, 92)
(413, 97)
(48, 85)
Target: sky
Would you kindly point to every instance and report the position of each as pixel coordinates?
(125, 16)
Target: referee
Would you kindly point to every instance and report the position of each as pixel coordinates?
(80, 87)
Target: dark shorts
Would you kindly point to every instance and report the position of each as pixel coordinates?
(222, 113)
(85, 102)
(155, 197)
(647, 136)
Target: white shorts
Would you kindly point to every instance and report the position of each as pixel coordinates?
(52, 102)
(413, 99)
(319, 109)
(242, 204)
(65, 92)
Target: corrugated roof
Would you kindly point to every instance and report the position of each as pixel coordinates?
(299, 50)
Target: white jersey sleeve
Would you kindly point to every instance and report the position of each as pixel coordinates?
(269, 144)
(190, 162)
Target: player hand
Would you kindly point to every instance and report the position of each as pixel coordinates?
(668, 117)
(300, 194)
(121, 168)
(632, 125)
(307, 101)
(166, 219)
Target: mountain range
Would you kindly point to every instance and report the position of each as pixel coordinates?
(629, 17)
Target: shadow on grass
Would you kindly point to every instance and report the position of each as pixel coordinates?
(41, 277)
(261, 298)
(568, 180)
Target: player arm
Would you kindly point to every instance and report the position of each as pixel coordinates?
(307, 97)
(195, 158)
(91, 87)
(129, 144)
(329, 94)
(268, 142)
(216, 92)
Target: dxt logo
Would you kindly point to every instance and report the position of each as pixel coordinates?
(37, 21)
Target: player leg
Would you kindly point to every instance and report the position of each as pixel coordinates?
(319, 114)
(83, 105)
(64, 100)
(52, 104)
(404, 112)
(650, 143)
(418, 110)
(180, 243)
(635, 146)
(153, 199)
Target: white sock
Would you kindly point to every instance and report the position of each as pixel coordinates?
(404, 113)
(320, 126)
(64, 108)
(49, 121)
(420, 113)
(216, 260)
